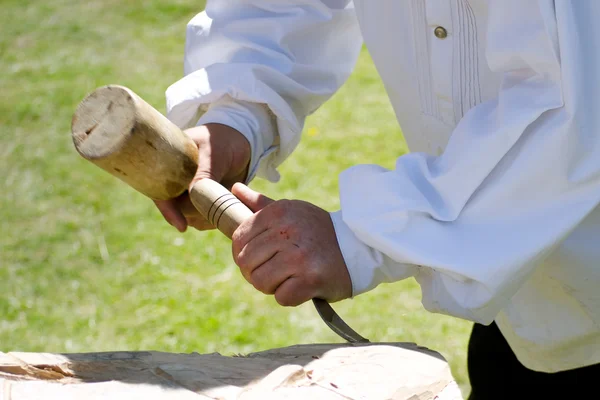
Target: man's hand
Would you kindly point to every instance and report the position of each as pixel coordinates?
(223, 156)
(289, 249)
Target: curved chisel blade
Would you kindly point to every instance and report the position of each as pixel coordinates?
(337, 324)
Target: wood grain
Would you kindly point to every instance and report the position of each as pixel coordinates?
(399, 371)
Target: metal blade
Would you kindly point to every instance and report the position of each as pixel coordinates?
(337, 324)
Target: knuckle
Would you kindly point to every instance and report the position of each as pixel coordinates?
(291, 295)
(279, 208)
(259, 283)
(287, 205)
(241, 260)
(202, 173)
(238, 238)
(240, 257)
(284, 203)
(286, 300)
(275, 210)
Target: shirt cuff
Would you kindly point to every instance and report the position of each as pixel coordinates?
(367, 266)
(358, 258)
(254, 121)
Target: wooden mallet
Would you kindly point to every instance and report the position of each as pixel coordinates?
(125, 136)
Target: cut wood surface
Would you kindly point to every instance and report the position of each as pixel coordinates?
(119, 132)
(398, 371)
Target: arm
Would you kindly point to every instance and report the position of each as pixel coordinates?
(262, 66)
(519, 174)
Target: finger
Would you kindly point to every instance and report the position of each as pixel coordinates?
(248, 230)
(292, 292)
(206, 161)
(254, 200)
(216, 161)
(257, 224)
(269, 276)
(256, 252)
(191, 214)
(185, 205)
(200, 223)
(171, 213)
(196, 133)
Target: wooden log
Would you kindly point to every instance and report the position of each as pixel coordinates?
(398, 371)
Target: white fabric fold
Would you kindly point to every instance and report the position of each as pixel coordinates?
(455, 214)
(496, 210)
(256, 51)
(367, 266)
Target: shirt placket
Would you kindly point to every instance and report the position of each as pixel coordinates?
(438, 15)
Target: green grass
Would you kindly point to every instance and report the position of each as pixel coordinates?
(89, 265)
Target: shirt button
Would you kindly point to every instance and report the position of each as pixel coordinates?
(440, 32)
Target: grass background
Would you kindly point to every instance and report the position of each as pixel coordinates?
(86, 264)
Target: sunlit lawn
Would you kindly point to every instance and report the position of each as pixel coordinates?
(88, 265)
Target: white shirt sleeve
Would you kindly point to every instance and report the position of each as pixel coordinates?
(520, 172)
(289, 56)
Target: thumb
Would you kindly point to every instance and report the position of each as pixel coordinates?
(254, 200)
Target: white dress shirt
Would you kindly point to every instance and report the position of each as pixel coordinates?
(495, 210)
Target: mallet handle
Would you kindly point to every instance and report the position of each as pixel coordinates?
(219, 206)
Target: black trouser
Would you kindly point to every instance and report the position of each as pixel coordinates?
(495, 373)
